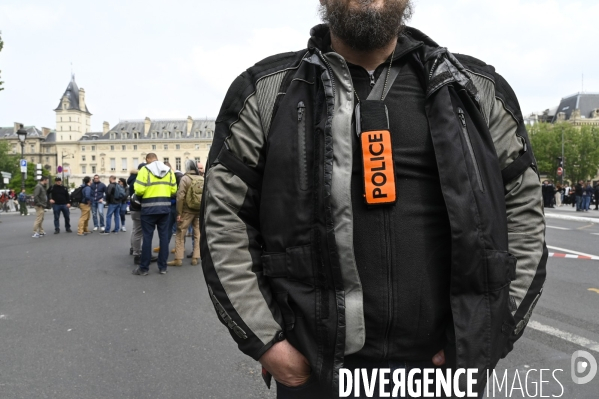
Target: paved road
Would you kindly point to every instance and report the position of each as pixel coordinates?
(76, 324)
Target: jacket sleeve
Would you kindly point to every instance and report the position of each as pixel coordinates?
(173, 184)
(184, 184)
(141, 182)
(231, 243)
(523, 199)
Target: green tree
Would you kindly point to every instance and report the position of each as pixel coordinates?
(581, 150)
(1, 45)
(30, 182)
(8, 161)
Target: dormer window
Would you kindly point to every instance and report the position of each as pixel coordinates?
(136, 135)
(124, 135)
(111, 136)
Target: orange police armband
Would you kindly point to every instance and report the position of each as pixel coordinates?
(378, 169)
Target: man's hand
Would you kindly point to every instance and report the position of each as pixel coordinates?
(286, 364)
(51, 201)
(69, 206)
(178, 218)
(439, 358)
(100, 201)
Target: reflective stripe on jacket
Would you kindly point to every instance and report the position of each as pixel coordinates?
(155, 192)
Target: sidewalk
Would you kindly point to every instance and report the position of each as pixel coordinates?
(568, 212)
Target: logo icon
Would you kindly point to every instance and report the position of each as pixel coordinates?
(583, 363)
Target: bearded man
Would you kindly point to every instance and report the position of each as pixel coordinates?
(371, 202)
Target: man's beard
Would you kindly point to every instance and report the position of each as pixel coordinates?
(364, 27)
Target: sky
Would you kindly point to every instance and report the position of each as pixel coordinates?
(170, 59)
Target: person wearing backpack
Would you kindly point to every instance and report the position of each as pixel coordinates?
(114, 197)
(83, 195)
(189, 197)
(23, 203)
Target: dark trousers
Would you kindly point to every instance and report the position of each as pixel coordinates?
(58, 209)
(23, 208)
(312, 390)
(148, 223)
(172, 223)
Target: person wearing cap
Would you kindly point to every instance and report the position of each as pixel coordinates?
(60, 200)
(40, 202)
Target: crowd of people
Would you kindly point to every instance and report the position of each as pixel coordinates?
(157, 197)
(11, 202)
(581, 196)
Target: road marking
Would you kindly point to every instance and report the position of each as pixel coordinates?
(558, 228)
(569, 250)
(568, 256)
(572, 338)
(585, 227)
(594, 290)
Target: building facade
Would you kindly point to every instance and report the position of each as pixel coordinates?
(113, 151)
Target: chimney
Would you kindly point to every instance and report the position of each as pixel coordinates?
(17, 126)
(147, 123)
(45, 131)
(105, 127)
(189, 124)
(82, 99)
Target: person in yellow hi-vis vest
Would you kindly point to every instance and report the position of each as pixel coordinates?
(155, 185)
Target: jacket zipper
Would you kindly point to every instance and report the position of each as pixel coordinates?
(387, 225)
(372, 81)
(470, 149)
(301, 145)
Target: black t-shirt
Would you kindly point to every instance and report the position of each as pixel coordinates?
(403, 252)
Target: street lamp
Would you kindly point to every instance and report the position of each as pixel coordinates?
(68, 156)
(22, 134)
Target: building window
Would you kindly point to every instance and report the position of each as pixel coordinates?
(124, 135)
(177, 146)
(93, 148)
(83, 158)
(70, 137)
(154, 146)
(47, 159)
(32, 160)
(83, 148)
(93, 169)
(134, 147)
(124, 147)
(197, 134)
(178, 163)
(14, 149)
(69, 118)
(165, 160)
(135, 162)
(197, 159)
(69, 128)
(123, 163)
(136, 135)
(32, 148)
(166, 146)
(111, 148)
(197, 146)
(112, 164)
(83, 169)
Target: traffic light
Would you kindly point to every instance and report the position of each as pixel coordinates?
(560, 162)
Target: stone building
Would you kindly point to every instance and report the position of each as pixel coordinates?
(113, 151)
(580, 109)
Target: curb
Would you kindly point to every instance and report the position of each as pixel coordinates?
(571, 218)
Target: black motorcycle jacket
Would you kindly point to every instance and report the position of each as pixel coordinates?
(277, 222)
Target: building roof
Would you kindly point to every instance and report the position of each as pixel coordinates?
(9, 132)
(72, 94)
(159, 129)
(585, 102)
